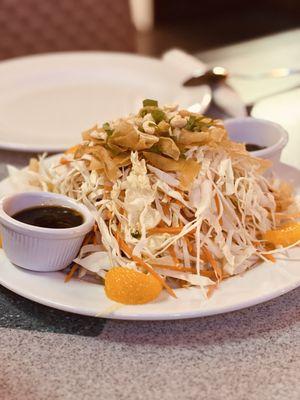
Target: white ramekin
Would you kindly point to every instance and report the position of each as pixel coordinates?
(36, 248)
(259, 131)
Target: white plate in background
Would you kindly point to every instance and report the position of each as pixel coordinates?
(46, 101)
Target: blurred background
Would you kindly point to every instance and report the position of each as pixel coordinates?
(140, 26)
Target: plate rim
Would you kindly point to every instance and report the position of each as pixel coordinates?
(152, 316)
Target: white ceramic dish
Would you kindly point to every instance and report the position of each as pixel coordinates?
(36, 248)
(259, 131)
(262, 283)
(48, 100)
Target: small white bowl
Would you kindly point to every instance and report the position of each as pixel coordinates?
(261, 132)
(37, 248)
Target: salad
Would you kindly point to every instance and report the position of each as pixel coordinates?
(176, 203)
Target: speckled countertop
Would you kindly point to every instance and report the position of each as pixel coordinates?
(250, 354)
(46, 354)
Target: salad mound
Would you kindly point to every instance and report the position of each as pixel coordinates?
(173, 198)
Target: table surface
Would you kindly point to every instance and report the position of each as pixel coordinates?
(249, 354)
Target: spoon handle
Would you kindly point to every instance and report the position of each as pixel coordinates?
(250, 106)
(272, 73)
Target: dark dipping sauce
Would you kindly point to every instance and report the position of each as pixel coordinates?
(254, 147)
(56, 217)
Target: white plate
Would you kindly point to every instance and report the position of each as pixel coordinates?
(284, 109)
(262, 283)
(46, 101)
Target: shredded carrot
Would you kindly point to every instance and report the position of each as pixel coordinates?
(108, 214)
(123, 245)
(122, 195)
(70, 274)
(256, 244)
(211, 290)
(178, 203)
(183, 194)
(204, 228)
(172, 230)
(166, 209)
(87, 238)
(107, 187)
(128, 251)
(162, 224)
(155, 274)
(269, 257)
(266, 247)
(95, 240)
(217, 201)
(0, 242)
(64, 161)
(189, 244)
(209, 257)
(178, 268)
(172, 252)
(96, 232)
(191, 234)
(74, 267)
(208, 274)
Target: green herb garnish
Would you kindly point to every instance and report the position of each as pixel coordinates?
(136, 235)
(196, 124)
(158, 115)
(150, 103)
(107, 129)
(191, 122)
(143, 111)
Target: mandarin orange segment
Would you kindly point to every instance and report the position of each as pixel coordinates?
(285, 235)
(128, 286)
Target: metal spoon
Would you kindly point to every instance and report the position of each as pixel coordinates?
(218, 74)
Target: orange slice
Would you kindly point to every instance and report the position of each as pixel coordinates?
(128, 286)
(285, 235)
